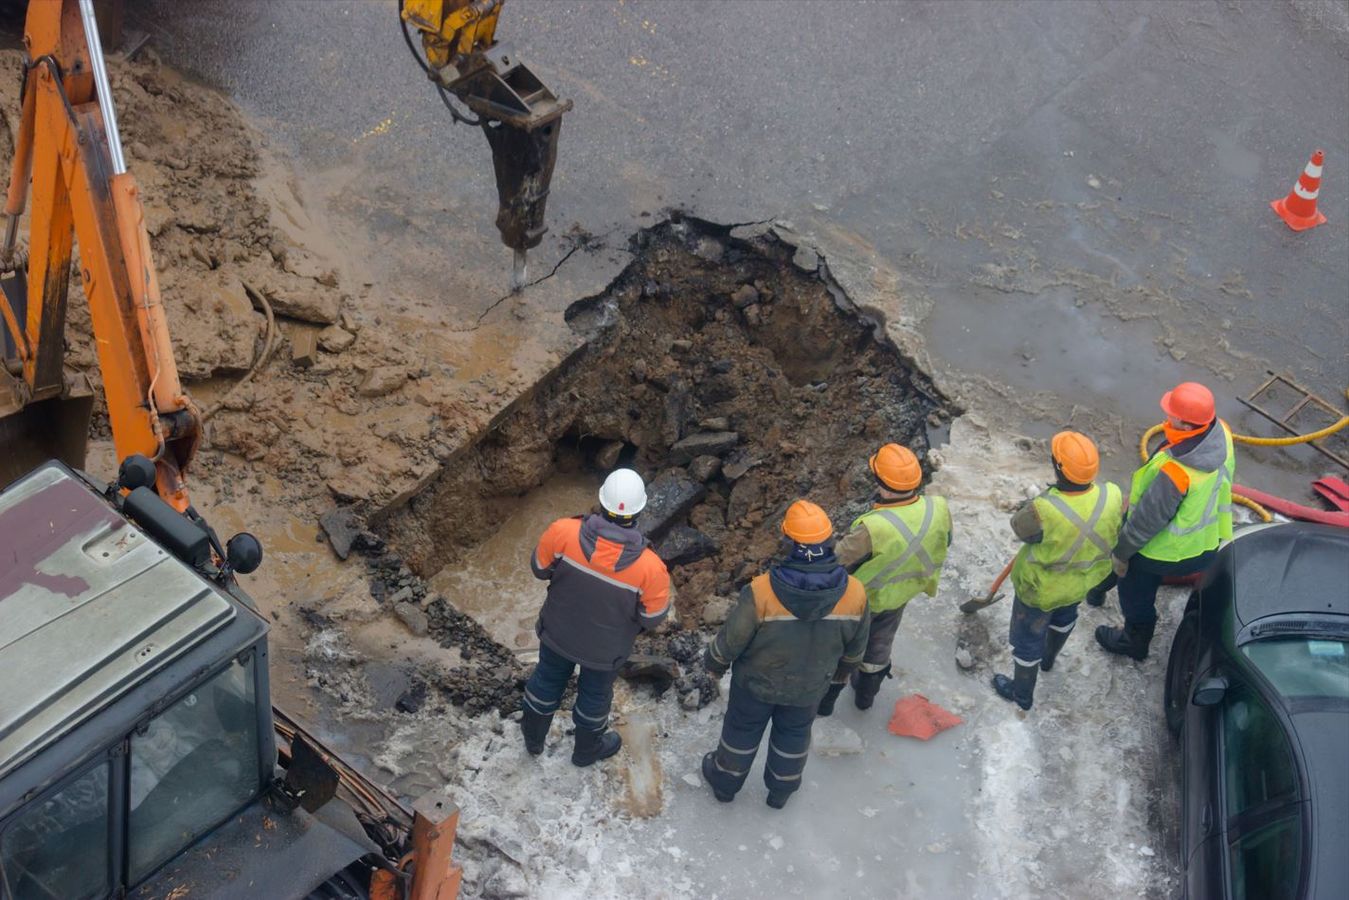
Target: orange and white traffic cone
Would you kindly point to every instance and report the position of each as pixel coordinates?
(1298, 209)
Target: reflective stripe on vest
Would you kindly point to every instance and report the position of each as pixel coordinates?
(894, 571)
(1086, 531)
(1073, 554)
(908, 547)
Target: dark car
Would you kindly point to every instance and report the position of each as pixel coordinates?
(1257, 687)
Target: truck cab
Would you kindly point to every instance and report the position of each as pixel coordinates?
(138, 744)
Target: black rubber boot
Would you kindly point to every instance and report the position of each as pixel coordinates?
(593, 746)
(1054, 642)
(1131, 640)
(1020, 689)
(826, 707)
(535, 727)
(866, 685)
(778, 799)
(710, 776)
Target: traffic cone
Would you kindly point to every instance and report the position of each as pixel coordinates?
(1298, 209)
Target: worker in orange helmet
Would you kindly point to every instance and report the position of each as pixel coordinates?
(1180, 510)
(605, 585)
(795, 628)
(896, 549)
(1068, 534)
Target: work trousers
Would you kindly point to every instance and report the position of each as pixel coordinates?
(1029, 627)
(881, 639)
(1138, 587)
(741, 733)
(594, 690)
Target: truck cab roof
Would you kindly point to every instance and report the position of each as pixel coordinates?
(91, 611)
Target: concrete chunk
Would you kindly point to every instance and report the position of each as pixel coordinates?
(684, 545)
(304, 344)
(669, 498)
(708, 443)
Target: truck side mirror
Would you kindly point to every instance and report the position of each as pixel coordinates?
(244, 553)
(1210, 691)
(136, 471)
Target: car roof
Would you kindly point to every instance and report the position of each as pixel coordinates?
(1293, 567)
(90, 608)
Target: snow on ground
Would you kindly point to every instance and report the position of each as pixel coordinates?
(1075, 799)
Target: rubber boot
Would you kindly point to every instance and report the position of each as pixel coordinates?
(1054, 641)
(1020, 688)
(831, 696)
(535, 727)
(1131, 640)
(866, 685)
(593, 746)
(710, 776)
(778, 799)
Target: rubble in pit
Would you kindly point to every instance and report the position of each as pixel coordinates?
(728, 373)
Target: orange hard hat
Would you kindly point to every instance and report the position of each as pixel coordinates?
(1076, 455)
(896, 467)
(806, 523)
(1189, 401)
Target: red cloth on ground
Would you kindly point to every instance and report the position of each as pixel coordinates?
(916, 716)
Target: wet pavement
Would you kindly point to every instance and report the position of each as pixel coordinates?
(1078, 191)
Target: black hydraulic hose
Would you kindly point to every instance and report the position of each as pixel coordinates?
(444, 94)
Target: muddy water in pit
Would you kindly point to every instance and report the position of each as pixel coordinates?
(494, 583)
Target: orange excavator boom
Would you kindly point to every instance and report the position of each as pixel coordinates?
(69, 148)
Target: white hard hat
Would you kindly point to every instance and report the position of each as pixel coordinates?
(623, 493)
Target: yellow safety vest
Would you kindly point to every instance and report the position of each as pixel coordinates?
(1073, 555)
(1204, 519)
(908, 547)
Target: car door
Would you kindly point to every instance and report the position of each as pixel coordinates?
(1260, 845)
(1201, 829)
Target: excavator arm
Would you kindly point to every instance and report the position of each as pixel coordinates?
(68, 145)
(519, 115)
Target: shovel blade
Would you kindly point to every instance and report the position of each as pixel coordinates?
(974, 604)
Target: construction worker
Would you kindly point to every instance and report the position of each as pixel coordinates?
(896, 550)
(1180, 510)
(795, 628)
(1069, 532)
(605, 585)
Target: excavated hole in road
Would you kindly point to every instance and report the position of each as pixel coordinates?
(732, 378)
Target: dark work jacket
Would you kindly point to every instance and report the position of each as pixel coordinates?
(793, 628)
(604, 587)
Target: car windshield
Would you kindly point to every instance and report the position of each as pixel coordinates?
(1303, 667)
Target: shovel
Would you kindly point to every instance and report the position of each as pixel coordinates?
(974, 604)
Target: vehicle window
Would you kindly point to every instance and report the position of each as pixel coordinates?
(1265, 863)
(1256, 757)
(195, 764)
(57, 848)
(1298, 667)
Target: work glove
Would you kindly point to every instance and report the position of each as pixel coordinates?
(714, 668)
(1121, 566)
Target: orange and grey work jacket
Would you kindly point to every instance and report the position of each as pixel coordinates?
(604, 587)
(785, 643)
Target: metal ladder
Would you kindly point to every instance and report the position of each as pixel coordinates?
(1285, 421)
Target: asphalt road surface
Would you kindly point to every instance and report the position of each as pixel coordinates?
(1076, 194)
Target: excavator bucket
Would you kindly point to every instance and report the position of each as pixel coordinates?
(31, 434)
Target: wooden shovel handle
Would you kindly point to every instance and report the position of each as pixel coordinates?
(1002, 576)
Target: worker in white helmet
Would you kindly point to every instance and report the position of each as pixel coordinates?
(605, 585)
